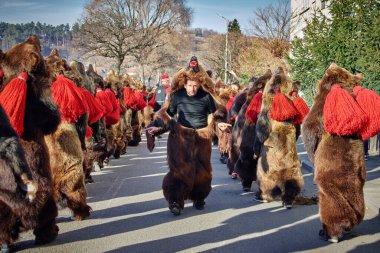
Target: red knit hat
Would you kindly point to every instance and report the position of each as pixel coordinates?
(165, 76)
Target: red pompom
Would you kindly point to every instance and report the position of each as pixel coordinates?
(140, 101)
(369, 102)
(254, 108)
(166, 91)
(282, 108)
(152, 100)
(130, 100)
(342, 115)
(88, 132)
(13, 99)
(95, 109)
(229, 103)
(114, 116)
(302, 108)
(104, 100)
(69, 99)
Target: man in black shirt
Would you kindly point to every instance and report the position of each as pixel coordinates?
(189, 141)
(192, 106)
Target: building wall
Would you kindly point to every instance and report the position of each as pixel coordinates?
(302, 10)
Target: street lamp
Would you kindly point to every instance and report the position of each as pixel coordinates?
(226, 51)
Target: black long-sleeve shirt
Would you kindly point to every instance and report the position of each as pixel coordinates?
(192, 110)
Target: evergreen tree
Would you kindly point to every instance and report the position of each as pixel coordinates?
(233, 26)
(350, 39)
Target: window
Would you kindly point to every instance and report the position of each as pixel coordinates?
(323, 4)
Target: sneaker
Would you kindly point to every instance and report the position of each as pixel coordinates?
(366, 157)
(323, 236)
(333, 239)
(234, 175)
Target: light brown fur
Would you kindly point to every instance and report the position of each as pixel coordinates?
(278, 167)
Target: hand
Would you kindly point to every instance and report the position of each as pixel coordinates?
(223, 126)
(152, 130)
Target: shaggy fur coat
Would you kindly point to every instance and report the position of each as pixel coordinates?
(41, 118)
(338, 161)
(278, 167)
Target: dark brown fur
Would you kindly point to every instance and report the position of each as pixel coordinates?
(338, 161)
(189, 175)
(41, 117)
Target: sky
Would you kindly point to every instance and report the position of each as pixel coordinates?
(206, 13)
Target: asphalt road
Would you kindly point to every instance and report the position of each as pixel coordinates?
(130, 215)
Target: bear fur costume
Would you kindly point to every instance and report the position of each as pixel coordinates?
(66, 147)
(278, 167)
(15, 187)
(41, 118)
(189, 175)
(236, 129)
(246, 163)
(338, 161)
(99, 127)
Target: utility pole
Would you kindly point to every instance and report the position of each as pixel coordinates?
(226, 50)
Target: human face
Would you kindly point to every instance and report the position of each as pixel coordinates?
(165, 81)
(191, 88)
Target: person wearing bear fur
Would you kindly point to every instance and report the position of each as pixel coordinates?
(17, 180)
(278, 166)
(27, 78)
(342, 116)
(189, 141)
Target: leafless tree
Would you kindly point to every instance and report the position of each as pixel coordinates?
(170, 52)
(118, 28)
(272, 23)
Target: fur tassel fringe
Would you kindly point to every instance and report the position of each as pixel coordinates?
(152, 101)
(254, 108)
(141, 104)
(88, 132)
(342, 115)
(69, 99)
(369, 102)
(114, 116)
(282, 109)
(302, 108)
(104, 100)
(13, 99)
(229, 103)
(96, 110)
(130, 100)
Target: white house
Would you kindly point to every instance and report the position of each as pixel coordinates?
(302, 10)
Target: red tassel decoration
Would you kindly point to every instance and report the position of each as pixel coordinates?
(13, 99)
(140, 101)
(302, 108)
(152, 100)
(104, 100)
(95, 109)
(130, 100)
(369, 102)
(282, 109)
(229, 103)
(342, 115)
(166, 91)
(254, 108)
(88, 132)
(69, 99)
(114, 116)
